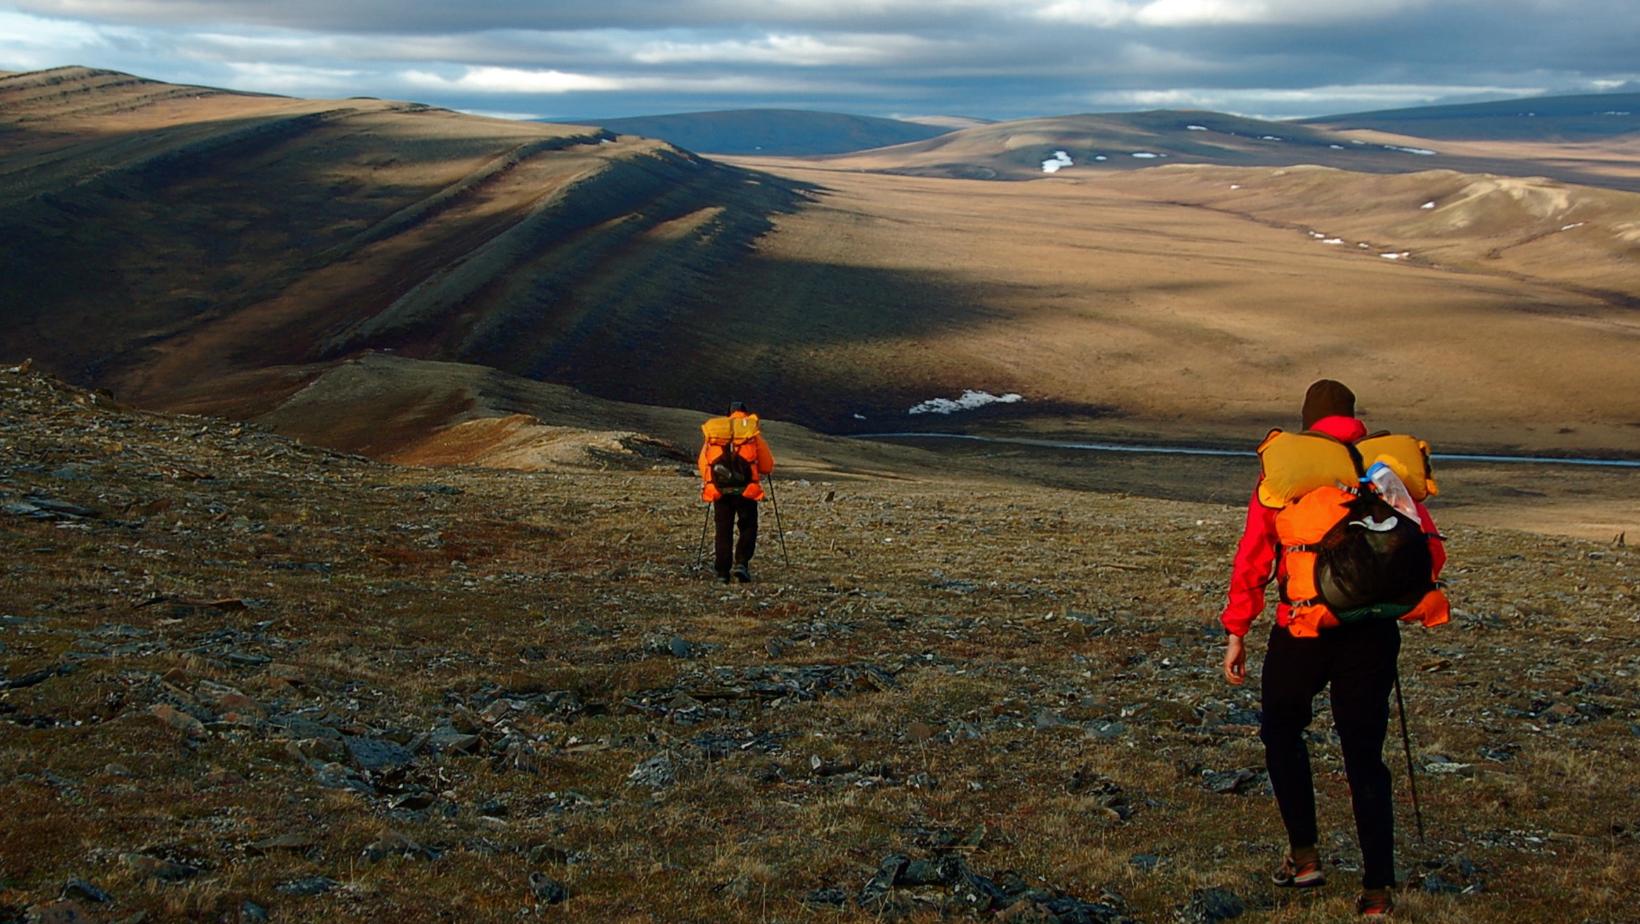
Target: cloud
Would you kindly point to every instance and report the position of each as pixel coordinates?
(1177, 13)
(511, 80)
(793, 50)
(32, 42)
(997, 59)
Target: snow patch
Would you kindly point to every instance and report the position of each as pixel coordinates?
(1336, 147)
(1146, 155)
(1270, 138)
(970, 400)
(1100, 157)
(1575, 224)
(1396, 256)
(1333, 240)
(1196, 128)
(1235, 185)
(859, 417)
(1421, 152)
(1057, 162)
(1428, 205)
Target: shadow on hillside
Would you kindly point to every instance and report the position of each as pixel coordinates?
(770, 332)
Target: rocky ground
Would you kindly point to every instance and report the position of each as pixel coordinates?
(242, 679)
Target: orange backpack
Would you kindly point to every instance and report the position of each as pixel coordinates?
(1331, 520)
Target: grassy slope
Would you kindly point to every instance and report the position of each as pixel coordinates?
(1126, 308)
(1034, 666)
(240, 232)
(785, 132)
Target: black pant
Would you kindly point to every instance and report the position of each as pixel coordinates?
(723, 514)
(1358, 660)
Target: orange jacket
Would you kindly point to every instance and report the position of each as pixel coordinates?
(755, 451)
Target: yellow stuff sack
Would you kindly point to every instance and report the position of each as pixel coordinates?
(1407, 455)
(725, 429)
(1294, 464)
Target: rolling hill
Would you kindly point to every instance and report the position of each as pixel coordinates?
(158, 238)
(1122, 141)
(784, 132)
(220, 253)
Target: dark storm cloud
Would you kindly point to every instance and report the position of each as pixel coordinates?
(995, 58)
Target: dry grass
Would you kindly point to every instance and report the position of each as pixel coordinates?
(1006, 625)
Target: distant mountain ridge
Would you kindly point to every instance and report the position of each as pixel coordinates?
(783, 132)
(1593, 115)
(1126, 140)
(1101, 143)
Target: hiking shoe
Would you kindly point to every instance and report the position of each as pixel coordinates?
(1375, 903)
(743, 574)
(1295, 875)
(723, 577)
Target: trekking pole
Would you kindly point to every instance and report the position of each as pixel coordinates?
(1406, 744)
(780, 529)
(700, 550)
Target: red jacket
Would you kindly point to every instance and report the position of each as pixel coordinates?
(1256, 560)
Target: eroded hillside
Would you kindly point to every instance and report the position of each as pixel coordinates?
(161, 237)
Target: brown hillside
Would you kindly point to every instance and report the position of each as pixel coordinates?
(215, 251)
(237, 232)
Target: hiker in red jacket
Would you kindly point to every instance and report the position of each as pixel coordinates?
(1357, 659)
(737, 500)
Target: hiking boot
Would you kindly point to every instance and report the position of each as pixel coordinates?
(1375, 903)
(723, 577)
(743, 574)
(1295, 874)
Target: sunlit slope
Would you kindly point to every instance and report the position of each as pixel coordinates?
(158, 236)
(1137, 307)
(1584, 238)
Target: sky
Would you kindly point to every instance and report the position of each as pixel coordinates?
(994, 59)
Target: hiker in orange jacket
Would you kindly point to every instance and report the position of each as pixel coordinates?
(1358, 661)
(730, 500)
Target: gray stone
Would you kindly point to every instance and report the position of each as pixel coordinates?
(547, 890)
(307, 885)
(1208, 906)
(80, 889)
(146, 867)
(657, 772)
(826, 898)
(393, 844)
(377, 755)
(299, 727)
(874, 894)
(446, 739)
